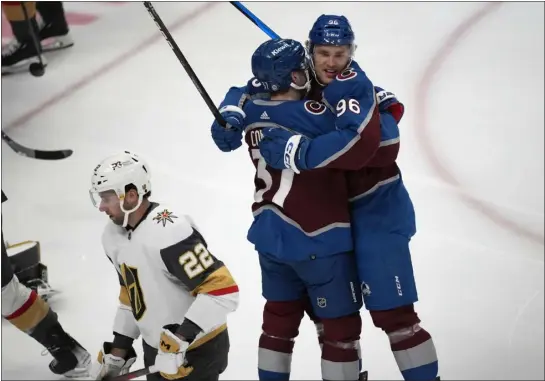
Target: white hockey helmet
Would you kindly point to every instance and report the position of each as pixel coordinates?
(116, 172)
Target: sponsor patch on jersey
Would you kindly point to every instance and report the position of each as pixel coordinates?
(164, 217)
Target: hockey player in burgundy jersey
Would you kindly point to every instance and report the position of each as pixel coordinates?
(382, 213)
(301, 224)
(307, 213)
(383, 219)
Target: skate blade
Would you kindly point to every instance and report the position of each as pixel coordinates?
(82, 370)
(52, 44)
(78, 373)
(22, 66)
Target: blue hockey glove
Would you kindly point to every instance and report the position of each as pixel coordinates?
(230, 138)
(387, 102)
(282, 149)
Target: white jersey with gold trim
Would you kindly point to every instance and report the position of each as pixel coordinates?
(167, 275)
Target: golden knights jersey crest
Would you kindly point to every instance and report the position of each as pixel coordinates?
(136, 297)
(164, 216)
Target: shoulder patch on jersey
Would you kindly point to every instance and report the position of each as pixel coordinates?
(347, 74)
(256, 83)
(315, 108)
(164, 217)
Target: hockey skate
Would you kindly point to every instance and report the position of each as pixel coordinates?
(17, 57)
(54, 38)
(70, 358)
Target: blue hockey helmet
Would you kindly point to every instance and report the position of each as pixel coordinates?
(275, 60)
(331, 30)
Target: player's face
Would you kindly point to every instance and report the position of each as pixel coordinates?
(330, 61)
(109, 204)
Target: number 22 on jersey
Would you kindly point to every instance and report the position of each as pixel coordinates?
(195, 261)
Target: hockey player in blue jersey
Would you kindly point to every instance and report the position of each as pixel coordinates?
(383, 220)
(382, 212)
(301, 226)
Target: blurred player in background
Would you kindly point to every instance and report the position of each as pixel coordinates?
(54, 32)
(23, 308)
(383, 220)
(51, 31)
(174, 292)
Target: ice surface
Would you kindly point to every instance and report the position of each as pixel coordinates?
(478, 191)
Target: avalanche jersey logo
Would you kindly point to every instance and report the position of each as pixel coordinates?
(315, 108)
(347, 74)
(164, 216)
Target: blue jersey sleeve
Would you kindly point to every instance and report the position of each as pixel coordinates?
(357, 136)
(389, 142)
(231, 139)
(237, 96)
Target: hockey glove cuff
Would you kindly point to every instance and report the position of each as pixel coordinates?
(108, 365)
(170, 360)
(291, 152)
(387, 102)
(234, 116)
(281, 149)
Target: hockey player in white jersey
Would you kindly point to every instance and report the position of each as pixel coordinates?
(174, 292)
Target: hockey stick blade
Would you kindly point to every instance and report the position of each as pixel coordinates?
(135, 374)
(200, 88)
(36, 153)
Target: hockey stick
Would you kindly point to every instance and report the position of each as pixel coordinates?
(37, 69)
(36, 153)
(137, 373)
(253, 18)
(184, 63)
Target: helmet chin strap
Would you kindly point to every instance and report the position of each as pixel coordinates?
(305, 87)
(127, 212)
